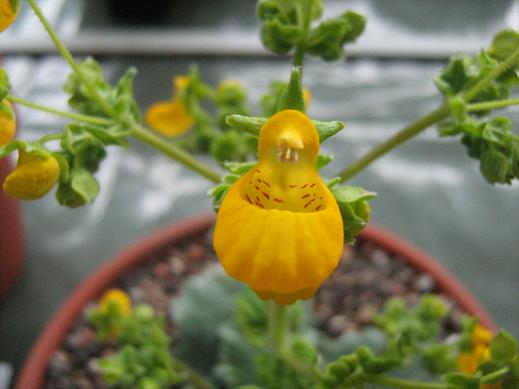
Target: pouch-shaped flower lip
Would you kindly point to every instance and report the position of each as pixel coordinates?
(279, 228)
(171, 118)
(33, 178)
(8, 11)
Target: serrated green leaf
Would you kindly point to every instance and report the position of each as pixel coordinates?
(81, 188)
(494, 166)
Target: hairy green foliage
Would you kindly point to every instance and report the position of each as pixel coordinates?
(141, 358)
(5, 84)
(286, 25)
(354, 207)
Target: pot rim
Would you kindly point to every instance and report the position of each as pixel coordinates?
(33, 371)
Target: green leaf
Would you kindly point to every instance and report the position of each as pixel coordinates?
(79, 189)
(323, 160)
(292, 96)
(504, 44)
(354, 208)
(372, 364)
(252, 125)
(462, 381)
(251, 317)
(494, 166)
(5, 84)
(503, 348)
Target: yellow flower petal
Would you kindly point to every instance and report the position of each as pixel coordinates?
(279, 228)
(481, 335)
(33, 177)
(7, 123)
(468, 362)
(307, 97)
(169, 118)
(119, 299)
(8, 12)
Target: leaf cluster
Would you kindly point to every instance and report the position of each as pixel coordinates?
(289, 24)
(142, 359)
(487, 139)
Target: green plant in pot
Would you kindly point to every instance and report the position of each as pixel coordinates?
(280, 227)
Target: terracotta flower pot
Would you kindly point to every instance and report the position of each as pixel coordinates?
(33, 373)
(12, 245)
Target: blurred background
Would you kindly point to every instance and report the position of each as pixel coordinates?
(430, 192)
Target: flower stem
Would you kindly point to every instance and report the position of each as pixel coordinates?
(399, 383)
(173, 151)
(435, 116)
(68, 115)
(489, 105)
(103, 104)
(304, 16)
(277, 325)
(491, 377)
(483, 83)
(405, 134)
(138, 131)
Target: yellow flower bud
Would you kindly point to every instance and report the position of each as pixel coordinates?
(33, 178)
(7, 122)
(8, 12)
(117, 298)
(279, 228)
(171, 118)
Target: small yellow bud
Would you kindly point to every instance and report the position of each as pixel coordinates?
(7, 122)
(8, 12)
(33, 178)
(119, 299)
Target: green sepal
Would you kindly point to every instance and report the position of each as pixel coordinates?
(30, 147)
(236, 170)
(503, 347)
(462, 381)
(239, 168)
(292, 96)
(252, 125)
(15, 5)
(6, 110)
(323, 160)
(5, 84)
(354, 208)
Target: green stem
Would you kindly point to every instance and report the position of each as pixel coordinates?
(403, 384)
(406, 133)
(49, 137)
(304, 16)
(425, 121)
(277, 324)
(174, 152)
(68, 115)
(473, 92)
(138, 131)
(492, 377)
(191, 375)
(489, 105)
(103, 104)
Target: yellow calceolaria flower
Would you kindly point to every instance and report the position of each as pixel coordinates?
(117, 298)
(8, 12)
(469, 361)
(33, 178)
(7, 122)
(279, 228)
(171, 118)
